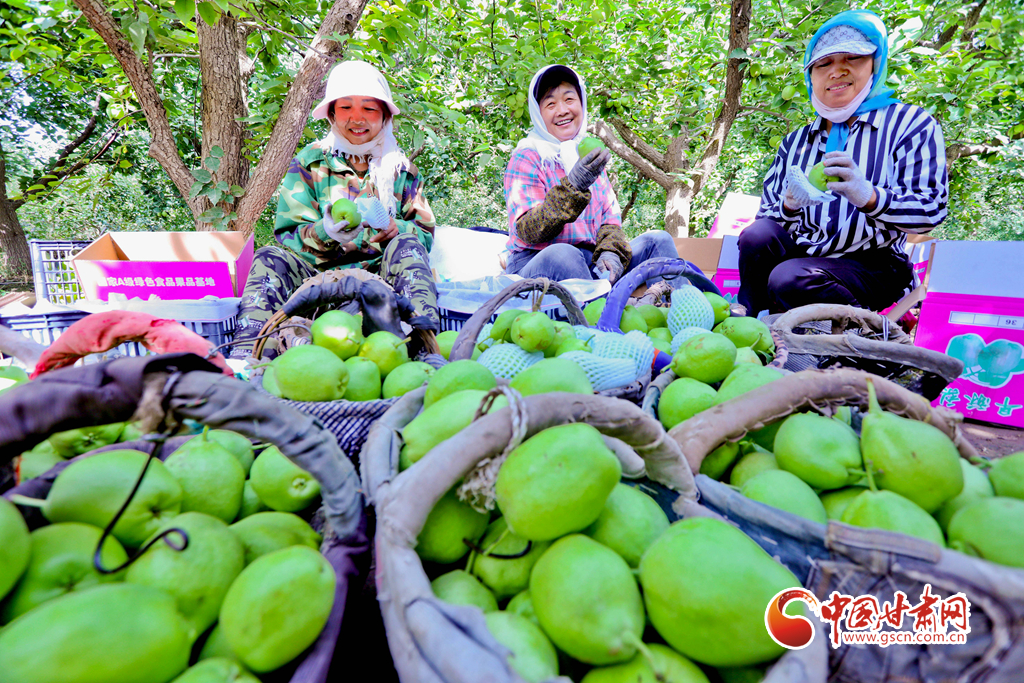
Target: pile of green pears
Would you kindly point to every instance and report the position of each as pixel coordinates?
(581, 575)
(246, 594)
(343, 364)
(898, 474)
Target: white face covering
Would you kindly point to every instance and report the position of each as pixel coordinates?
(837, 114)
(550, 148)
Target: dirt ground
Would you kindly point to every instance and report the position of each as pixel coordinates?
(993, 441)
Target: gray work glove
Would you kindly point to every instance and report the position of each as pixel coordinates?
(588, 169)
(608, 266)
(852, 183)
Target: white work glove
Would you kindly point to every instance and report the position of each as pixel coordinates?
(852, 184)
(608, 266)
(799, 193)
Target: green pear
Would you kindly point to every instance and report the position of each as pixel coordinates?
(278, 606)
(113, 633)
(310, 373)
(62, 562)
(269, 382)
(77, 441)
(339, 332)
(911, 458)
(11, 376)
(552, 374)
(556, 482)
(563, 333)
(281, 484)
(92, 490)
(346, 210)
(386, 350)
(573, 345)
(37, 461)
(449, 525)
(718, 461)
(533, 331)
(746, 331)
(745, 354)
(836, 502)
(216, 645)
(501, 330)
(891, 511)
(662, 346)
(1007, 476)
(664, 666)
(265, 532)
(587, 601)
(632, 319)
(199, 575)
(592, 311)
(363, 380)
(682, 399)
(655, 318)
(818, 178)
(237, 445)
(743, 674)
(458, 587)
(976, 485)
(405, 378)
(251, 503)
(15, 546)
(445, 342)
(719, 305)
(628, 523)
(533, 656)
(507, 560)
(131, 432)
(819, 450)
(211, 478)
(588, 145)
(751, 465)
(992, 529)
(785, 491)
(440, 421)
(706, 585)
(707, 357)
(522, 605)
(458, 376)
(216, 670)
(744, 378)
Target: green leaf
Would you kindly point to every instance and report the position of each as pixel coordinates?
(137, 33)
(185, 10)
(124, 164)
(209, 13)
(202, 175)
(213, 163)
(216, 152)
(196, 188)
(223, 186)
(237, 190)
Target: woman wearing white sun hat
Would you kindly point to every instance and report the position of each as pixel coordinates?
(845, 245)
(359, 160)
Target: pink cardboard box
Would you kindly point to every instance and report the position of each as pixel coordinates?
(727, 275)
(974, 311)
(170, 265)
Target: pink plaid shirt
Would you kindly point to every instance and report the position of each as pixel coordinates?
(527, 182)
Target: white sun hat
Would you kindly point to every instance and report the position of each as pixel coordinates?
(355, 79)
(841, 40)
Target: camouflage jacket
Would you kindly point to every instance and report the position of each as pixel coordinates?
(316, 179)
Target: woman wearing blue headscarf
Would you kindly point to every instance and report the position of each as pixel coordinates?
(887, 164)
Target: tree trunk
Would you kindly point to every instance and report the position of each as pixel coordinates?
(677, 209)
(14, 253)
(223, 101)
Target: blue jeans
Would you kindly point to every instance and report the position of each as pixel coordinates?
(566, 262)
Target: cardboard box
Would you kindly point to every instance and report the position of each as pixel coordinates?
(170, 265)
(974, 311)
(702, 252)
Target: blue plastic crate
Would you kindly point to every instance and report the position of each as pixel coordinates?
(53, 277)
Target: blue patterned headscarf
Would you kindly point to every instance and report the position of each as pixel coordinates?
(880, 94)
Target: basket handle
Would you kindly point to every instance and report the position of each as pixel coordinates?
(464, 343)
(899, 346)
(655, 267)
(730, 421)
(186, 386)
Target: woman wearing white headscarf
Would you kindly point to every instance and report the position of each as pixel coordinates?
(359, 160)
(845, 245)
(564, 220)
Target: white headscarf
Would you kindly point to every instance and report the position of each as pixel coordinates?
(551, 149)
(385, 157)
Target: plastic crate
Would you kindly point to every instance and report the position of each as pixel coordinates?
(53, 277)
(44, 328)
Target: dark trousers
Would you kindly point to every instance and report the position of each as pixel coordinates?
(776, 274)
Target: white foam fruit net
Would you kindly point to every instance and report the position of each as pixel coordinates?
(634, 345)
(485, 332)
(690, 308)
(376, 215)
(586, 334)
(603, 373)
(684, 334)
(508, 360)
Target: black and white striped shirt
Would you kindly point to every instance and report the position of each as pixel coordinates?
(902, 152)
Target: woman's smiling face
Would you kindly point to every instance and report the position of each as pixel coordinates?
(358, 119)
(562, 111)
(839, 78)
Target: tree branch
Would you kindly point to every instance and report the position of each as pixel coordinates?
(342, 18)
(644, 167)
(632, 200)
(749, 109)
(641, 146)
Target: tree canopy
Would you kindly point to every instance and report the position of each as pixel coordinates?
(208, 101)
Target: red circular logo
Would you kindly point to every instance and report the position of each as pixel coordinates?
(791, 632)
